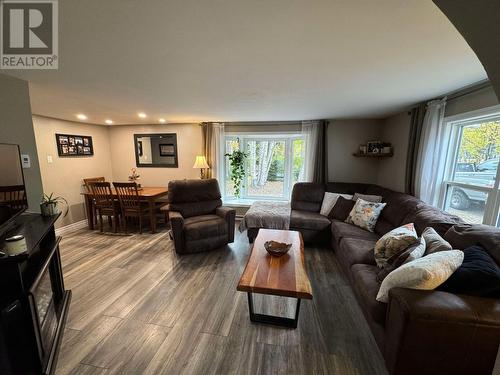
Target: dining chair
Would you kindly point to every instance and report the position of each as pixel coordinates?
(130, 202)
(14, 196)
(86, 182)
(105, 203)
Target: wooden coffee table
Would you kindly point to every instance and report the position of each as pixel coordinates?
(284, 276)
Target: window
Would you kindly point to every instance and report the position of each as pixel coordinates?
(274, 163)
(471, 187)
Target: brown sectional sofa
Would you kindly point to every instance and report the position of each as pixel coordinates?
(418, 332)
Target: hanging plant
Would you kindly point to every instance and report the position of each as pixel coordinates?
(237, 173)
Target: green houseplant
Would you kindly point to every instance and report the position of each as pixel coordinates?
(237, 173)
(50, 205)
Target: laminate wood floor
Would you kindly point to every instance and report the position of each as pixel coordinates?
(138, 308)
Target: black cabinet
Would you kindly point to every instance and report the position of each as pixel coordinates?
(33, 300)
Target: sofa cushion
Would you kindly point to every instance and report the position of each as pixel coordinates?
(366, 286)
(341, 209)
(356, 251)
(434, 242)
(425, 273)
(393, 242)
(365, 214)
(204, 226)
(465, 235)
(308, 220)
(428, 216)
(307, 196)
(343, 230)
(368, 197)
(478, 275)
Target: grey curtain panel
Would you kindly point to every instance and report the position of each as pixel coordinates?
(320, 173)
(417, 121)
(207, 131)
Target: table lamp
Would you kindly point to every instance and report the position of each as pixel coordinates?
(201, 163)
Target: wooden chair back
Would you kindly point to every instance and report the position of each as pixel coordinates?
(87, 181)
(14, 197)
(128, 194)
(102, 194)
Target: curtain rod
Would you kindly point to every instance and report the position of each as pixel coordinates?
(467, 90)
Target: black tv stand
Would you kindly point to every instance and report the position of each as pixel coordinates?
(34, 303)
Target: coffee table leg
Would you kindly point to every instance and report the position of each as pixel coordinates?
(271, 319)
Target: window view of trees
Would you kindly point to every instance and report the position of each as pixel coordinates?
(272, 165)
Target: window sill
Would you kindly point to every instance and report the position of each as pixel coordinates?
(247, 202)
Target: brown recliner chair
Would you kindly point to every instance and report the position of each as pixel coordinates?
(198, 220)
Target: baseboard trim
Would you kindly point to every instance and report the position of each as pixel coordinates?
(71, 227)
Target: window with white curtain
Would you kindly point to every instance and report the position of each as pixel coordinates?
(472, 177)
(274, 163)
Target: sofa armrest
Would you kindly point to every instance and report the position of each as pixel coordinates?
(177, 224)
(439, 332)
(228, 214)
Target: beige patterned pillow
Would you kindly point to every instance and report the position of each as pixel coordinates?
(393, 242)
(434, 241)
(365, 214)
(425, 273)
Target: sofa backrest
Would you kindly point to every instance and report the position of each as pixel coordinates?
(462, 236)
(307, 196)
(194, 197)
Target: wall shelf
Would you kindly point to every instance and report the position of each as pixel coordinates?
(380, 155)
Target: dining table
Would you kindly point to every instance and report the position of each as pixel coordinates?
(149, 195)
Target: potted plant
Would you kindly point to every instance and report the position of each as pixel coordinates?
(50, 205)
(237, 164)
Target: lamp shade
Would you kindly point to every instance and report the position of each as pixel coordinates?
(201, 162)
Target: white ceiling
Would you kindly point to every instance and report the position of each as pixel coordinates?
(249, 60)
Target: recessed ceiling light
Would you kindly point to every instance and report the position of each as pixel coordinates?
(142, 115)
(109, 122)
(162, 120)
(81, 116)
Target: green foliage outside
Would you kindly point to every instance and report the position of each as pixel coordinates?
(480, 143)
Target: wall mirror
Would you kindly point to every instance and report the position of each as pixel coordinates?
(156, 150)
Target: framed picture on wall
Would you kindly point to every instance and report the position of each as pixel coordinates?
(167, 149)
(70, 145)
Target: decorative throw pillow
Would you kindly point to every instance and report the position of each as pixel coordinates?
(329, 200)
(417, 250)
(365, 214)
(426, 273)
(404, 256)
(434, 241)
(367, 197)
(393, 242)
(478, 275)
(341, 209)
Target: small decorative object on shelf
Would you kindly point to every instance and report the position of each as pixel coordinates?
(49, 205)
(277, 249)
(134, 177)
(374, 149)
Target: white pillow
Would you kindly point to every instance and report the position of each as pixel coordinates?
(425, 273)
(329, 200)
(365, 214)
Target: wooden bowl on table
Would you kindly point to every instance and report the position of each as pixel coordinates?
(277, 249)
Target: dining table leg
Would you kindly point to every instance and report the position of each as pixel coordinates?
(89, 205)
(152, 215)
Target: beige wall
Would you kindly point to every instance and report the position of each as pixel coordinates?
(64, 175)
(189, 144)
(344, 138)
(391, 171)
(16, 127)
